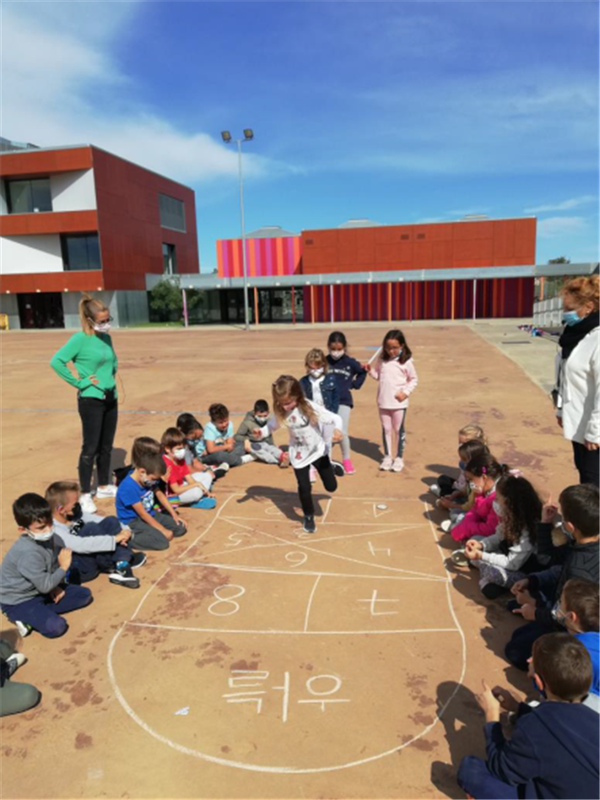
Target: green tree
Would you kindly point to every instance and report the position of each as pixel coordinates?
(560, 260)
(166, 300)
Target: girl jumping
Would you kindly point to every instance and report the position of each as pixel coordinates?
(312, 430)
(395, 371)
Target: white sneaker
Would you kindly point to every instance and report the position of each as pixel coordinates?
(106, 491)
(386, 464)
(446, 525)
(247, 459)
(435, 489)
(24, 628)
(459, 557)
(87, 504)
(14, 662)
(398, 465)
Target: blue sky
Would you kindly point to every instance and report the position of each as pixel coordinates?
(394, 111)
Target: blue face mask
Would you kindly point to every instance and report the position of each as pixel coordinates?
(566, 531)
(462, 465)
(571, 318)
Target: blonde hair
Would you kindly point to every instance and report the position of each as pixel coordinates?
(473, 431)
(583, 290)
(88, 308)
(287, 386)
(316, 356)
(56, 493)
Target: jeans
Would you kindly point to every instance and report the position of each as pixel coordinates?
(99, 424)
(325, 470)
(233, 458)
(587, 463)
(146, 537)
(43, 614)
(87, 566)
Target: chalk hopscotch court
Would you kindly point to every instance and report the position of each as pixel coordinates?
(272, 635)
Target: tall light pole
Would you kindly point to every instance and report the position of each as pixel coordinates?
(227, 138)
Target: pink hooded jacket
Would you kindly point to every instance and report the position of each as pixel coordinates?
(393, 378)
(481, 520)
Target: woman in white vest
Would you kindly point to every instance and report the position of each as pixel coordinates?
(577, 393)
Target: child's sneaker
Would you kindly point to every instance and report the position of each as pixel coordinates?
(205, 502)
(348, 466)
(309, 525)
(459, 557)
(284, 461)
(398, 465)
(338, 469)
(435, 489)
(386, 464)
(247, 458)
(87, 504)
(312, 474)
(446, 525)
(221, 471)
(106, 491)
(138, 560)
(24, 628)
(123, 576)
(14, 662)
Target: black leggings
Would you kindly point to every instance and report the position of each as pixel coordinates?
(325, 470)
(99, 423)
(586, 462)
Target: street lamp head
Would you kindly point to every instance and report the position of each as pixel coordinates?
(248, 134)
(226, 136)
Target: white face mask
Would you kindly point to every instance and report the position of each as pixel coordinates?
(101, 327)
(179, 453)
(497, 508)
(40, 536)
(336, 354)
(316, 373)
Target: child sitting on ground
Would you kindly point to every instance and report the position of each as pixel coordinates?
(136, 497)
(553, 749)
(189, 488)
(33, 594)
(456, 504)
(578, 612)
(537, 594)
(221, 447)
(455, 489)
(195, 444)
(99, 544)
(259, 441)
(508, 554)
(483, 473)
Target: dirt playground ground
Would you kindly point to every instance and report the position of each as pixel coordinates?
(256, 661)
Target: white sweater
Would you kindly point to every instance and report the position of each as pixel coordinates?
(517, 555)
(580, 391)
(309, 442)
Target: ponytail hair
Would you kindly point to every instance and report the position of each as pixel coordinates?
(88, 308)
(486, 465)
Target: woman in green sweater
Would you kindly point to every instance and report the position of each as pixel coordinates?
(95, 361)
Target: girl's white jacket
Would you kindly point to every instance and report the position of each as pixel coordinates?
(578, 379)
(309, 442)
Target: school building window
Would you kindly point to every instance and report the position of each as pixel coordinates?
(28, 196)
(172, 213)
(81, 252)
(169, 259)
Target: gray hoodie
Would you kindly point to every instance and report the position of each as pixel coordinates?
(64, 536)
(29, 569)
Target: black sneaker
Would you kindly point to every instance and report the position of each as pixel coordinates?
(220, 473)
(124, 577)
(338, 469)
(309, 525)
(138, 560)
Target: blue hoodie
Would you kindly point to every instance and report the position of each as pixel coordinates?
(553, 752)
(348, 375)
(591, 640)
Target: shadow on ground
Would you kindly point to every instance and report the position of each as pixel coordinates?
(286, 502)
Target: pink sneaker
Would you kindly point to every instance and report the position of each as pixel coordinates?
(348, 467)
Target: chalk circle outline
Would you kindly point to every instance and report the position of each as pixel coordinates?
(271, 769)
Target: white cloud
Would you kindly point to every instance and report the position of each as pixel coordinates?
(565, 205)
(555, 227)
(56, 82)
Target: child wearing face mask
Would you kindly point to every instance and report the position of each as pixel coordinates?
(483, 473)
(320, 387)
(312, 431)
(99, 544)
(578, 612)
(449, 489)
(507, 555)
(136, 498)
(396, 375)
(190, 488)
(259, 440)
(349, 375)
(33, 594)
